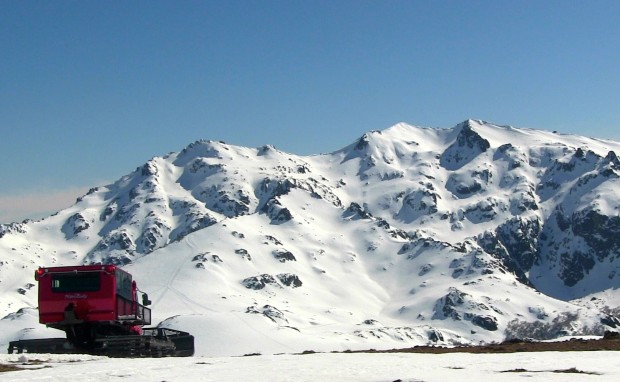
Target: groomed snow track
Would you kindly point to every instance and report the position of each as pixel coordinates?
(154, 342)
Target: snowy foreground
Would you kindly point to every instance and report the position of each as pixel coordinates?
(585, 366)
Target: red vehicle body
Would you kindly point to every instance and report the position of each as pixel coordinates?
(97, 307)
(87, 301)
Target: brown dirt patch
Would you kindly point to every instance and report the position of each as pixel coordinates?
(608, 342)
(572, 370)
(4, 368)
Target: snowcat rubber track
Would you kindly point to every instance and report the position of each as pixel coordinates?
(44, 345)
(153, 343)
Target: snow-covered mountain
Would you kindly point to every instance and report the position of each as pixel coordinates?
(407, 236)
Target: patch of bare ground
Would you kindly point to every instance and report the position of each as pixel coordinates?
(610, 341)
(572, 370)
(4, 368)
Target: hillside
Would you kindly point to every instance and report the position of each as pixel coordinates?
(408, 236)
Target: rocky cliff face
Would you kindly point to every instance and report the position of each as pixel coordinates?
(415, 234)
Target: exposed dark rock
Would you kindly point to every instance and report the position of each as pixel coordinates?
(483, 211)
(244, 254)
(265, 149)
(574, 266)
(259, 282)
(599, 235)
(601, 232)
(370, 322)
(290, 279)
(201, 257)
(272, 188)
(202, 166)
(74, 225)
(520, 238)
(485, 322)
(522, 202)
(192, 218)
(612, 158)
(510, 154)
(276, 212)
(229, 204)
(415, 247)
(581, 164)
(435, 336)
(466, 184)
(458, 305)
(468, 145)
(417, 203)
(271, 312)
(271, 239)
(303, 169)
(283, 256)
(611, 321)
(445, 306)
(469, 189)
(109, 211)
(149, 169)
(492, 245)
(540, 312)
(150, 239)
(561, 219)
(198, 149)
(115, 258)
(126, 213)
(154, 234)
(355, 211)
(116, 240)
(425, 269)
(12, 228)
(363, 142)
(198, 223)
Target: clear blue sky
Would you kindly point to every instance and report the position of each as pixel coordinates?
(89, 90)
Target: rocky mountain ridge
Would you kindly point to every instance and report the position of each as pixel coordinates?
(414, 235)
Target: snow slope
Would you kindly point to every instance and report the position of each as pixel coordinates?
(407, 236)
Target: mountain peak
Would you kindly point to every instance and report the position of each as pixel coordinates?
(436, 226)
(200, 149)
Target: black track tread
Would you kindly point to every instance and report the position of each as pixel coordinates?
(174, 344)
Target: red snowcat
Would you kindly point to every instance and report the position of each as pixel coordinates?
(97, 307)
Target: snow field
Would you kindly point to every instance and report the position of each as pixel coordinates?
(359, 367)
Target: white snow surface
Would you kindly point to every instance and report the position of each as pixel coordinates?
(358, 367)
(377, 245)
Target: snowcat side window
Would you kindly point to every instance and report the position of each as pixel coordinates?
(76, 282)
(123, 284)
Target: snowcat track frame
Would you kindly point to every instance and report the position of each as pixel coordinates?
(155, 342)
